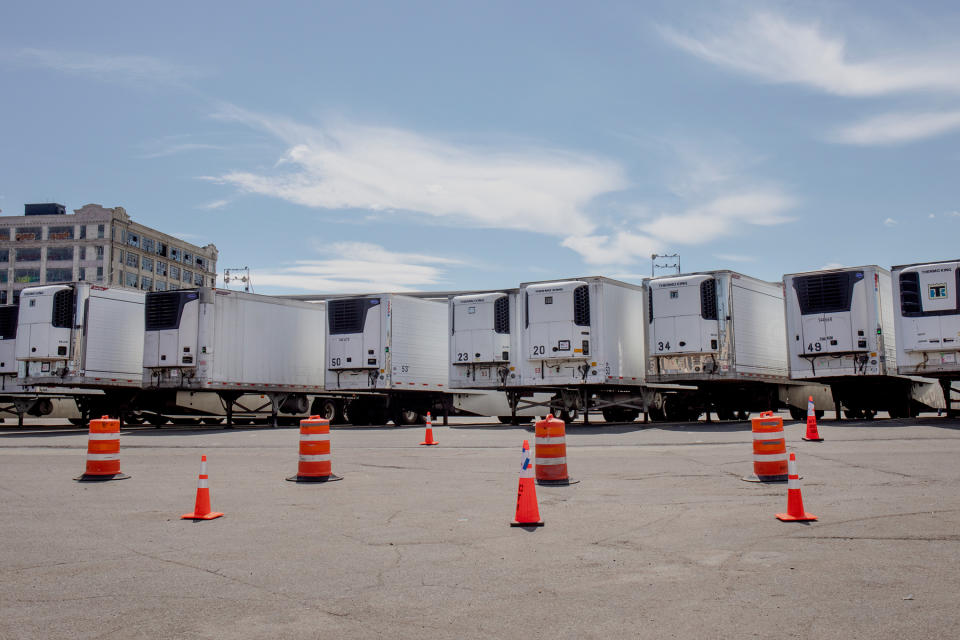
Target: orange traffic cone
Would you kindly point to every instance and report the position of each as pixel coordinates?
(201, 511)
(528, 514)
(795, 512)
(428, 436)
(812, 434)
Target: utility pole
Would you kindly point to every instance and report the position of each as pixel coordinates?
(244, 277)
(654, 266)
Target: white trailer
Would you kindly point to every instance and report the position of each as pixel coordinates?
(840, 331)
(927, 310)
(724, 332)
(584, 339)
(85, 337)
(236, 345)
(484, 340)
(390, 351)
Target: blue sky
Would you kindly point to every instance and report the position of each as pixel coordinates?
(354, 146)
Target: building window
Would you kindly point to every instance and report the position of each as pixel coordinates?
(161, 268)
(5, 233)
(83, 232)
(120, 255)
(131, 280)
(83, 274)
(99, 274)
(29, 234)
(161, 285)
(146, 263)
(4, 276)
(26, 275)
(148, 245)
(16, 297)
(146, 283)
(175, 254)
(4, 255)
(187, 276)
(60, 233)
(187, 258)
(201, 263)
(59, 253)
(100, 230)
(3, 297)
(31, 254)
(59, 275)
(133, 239)
(99, 253)
(198, 279)
(161, 249)
(174, 272)
(132, 260)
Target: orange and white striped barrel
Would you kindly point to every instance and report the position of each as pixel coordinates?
(769, 449)
(103, 451)
(550, 444)
(315, 460)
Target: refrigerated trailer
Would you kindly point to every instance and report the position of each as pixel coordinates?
(840, 332)
(484, 340)
(723, 332)
(239, 346)
(86, 337)
(584, 340)
(390, 351)
(926, 300)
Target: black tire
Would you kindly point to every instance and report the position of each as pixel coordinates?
(211, 420)
(611, 414)
(742, 415)
(798, 414)
(853, 414)
(656, 415)
(563, 414)
(725, 414)
(157, 420)
(869, 414)
(77, 422)
(327, 409)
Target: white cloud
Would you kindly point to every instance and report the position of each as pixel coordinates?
(721, 216)
(344, 166)
(124, 68)
(621, 248)
(890, 222)
(357, 267)
(777, 50)
(216, 204)
(894, 128)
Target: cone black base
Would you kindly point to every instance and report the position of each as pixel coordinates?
(557, 483)
(770, 479)
(329, 478)
(527, 524)
(812, 439)
(98, 478)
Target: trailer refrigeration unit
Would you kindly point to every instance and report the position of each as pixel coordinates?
(724, 333)
(239, 346)
(484, 337)
(584, 340)
(927, 310)
(390, 351)
(840, 332)
(86, 337)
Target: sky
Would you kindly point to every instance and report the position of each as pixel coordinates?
(383, 146)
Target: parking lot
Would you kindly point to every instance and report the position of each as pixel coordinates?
(660, 538)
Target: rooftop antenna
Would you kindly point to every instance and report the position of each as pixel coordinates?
(242, 275)
(654, 266)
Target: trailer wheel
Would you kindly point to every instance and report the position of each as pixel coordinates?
(327, 410)
(656, 414)
(509, 419)
(77, 422)
(742, 415)
(853, 414)
(564, 414)
(798, 414)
